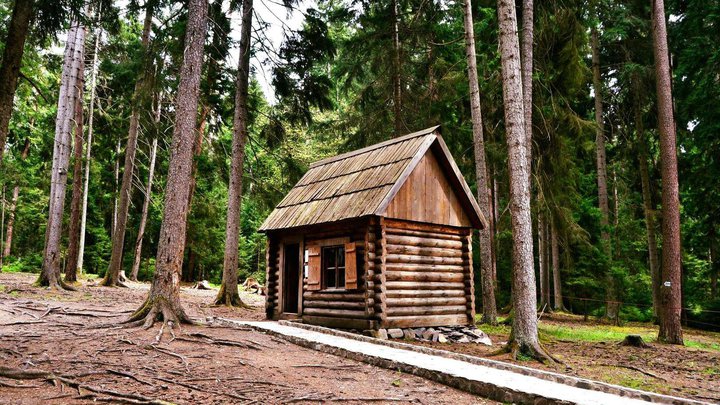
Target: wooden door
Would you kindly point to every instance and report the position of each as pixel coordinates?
(291, 278)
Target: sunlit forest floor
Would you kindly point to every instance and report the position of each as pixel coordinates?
(74, 336)
(60, 332)
(590, 349)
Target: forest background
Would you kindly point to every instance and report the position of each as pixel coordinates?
(334, 81)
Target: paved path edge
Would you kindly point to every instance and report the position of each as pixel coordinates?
(533, 372)
(484, 389)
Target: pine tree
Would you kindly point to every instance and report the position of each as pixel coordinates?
(69, 91)
(671, 290)
(228, 294)
(524, 334)
(163, 301)
(483, 190)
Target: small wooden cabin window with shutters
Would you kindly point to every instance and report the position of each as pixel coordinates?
(331, 265)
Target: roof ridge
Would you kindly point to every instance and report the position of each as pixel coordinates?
(379, 145)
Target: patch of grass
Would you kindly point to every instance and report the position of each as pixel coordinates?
(711, 371)
(2, 288)
(713, 347)
(596, 333)
(631, 380)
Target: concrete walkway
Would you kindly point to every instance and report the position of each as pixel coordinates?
(487, 381)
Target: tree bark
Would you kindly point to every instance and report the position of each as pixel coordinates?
(483, 189)
(714, 262)
(524, 334)
(13, 206)
(526, 59)
(118, 239)
(543, 260)
(74, 49)
(557, 279)
(116, 173)
(144, 215)
(74, 228)
(397, 83)
(228, 294)
(12, 59)
(163, 301)
(670, 326)
(649, 211)
(88, 150)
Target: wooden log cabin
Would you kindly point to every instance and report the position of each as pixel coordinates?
(376, 238)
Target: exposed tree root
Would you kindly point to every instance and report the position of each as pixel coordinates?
(120, 397)
(108, 282)
(54, 282)
(230, 298)
(533, 350)
(158, 309)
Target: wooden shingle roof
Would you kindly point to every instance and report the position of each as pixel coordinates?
(362, 183)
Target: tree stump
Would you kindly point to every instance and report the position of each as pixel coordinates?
(634, 341)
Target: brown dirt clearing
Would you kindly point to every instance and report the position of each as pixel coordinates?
(58, 332)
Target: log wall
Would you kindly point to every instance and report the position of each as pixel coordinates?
(409, 275)
(272, 277)
(425, 275)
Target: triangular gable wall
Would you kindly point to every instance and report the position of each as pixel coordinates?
(427, 196)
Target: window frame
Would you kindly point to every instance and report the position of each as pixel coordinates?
(339, 252)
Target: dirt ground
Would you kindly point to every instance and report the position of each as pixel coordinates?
(62, 333)
(667, 369)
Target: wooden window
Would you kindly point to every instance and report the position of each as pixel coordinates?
(333, 266)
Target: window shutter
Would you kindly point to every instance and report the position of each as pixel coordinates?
(350, 267)
(313, 279)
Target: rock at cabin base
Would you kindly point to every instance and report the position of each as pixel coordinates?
(409, 334)
(441, 338)
(428, 334)
(395, 333)
(379, 334)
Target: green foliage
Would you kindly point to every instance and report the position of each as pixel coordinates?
(333, 92)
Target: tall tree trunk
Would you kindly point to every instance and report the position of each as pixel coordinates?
(611, 308)
(163, 301)
(116, 173)
(526, 61)
(671, 291)
(13, 206)
(88, 147)
(483, 189)
(118, 239)
(397, 68)
(524, 335)
(12, 58)
(714, 262)
(557, 280)
(2, 225)
(496, 216)
(543, 262)
(648, 206)
(144, 215)
(74, 228)
(74, 49)
(228, 294)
